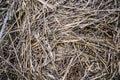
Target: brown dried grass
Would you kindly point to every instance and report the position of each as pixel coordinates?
(59, 39)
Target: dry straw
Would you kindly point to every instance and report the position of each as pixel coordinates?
(59, 39)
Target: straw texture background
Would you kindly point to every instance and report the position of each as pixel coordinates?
(59, 39)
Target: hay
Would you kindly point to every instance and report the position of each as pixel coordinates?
(59, 39)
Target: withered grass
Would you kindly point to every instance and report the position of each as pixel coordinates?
(59, 39)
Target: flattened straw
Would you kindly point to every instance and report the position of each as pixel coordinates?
(48, 5)
(4, 24)
(0, 1)
(119, 67)
(5, 21)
